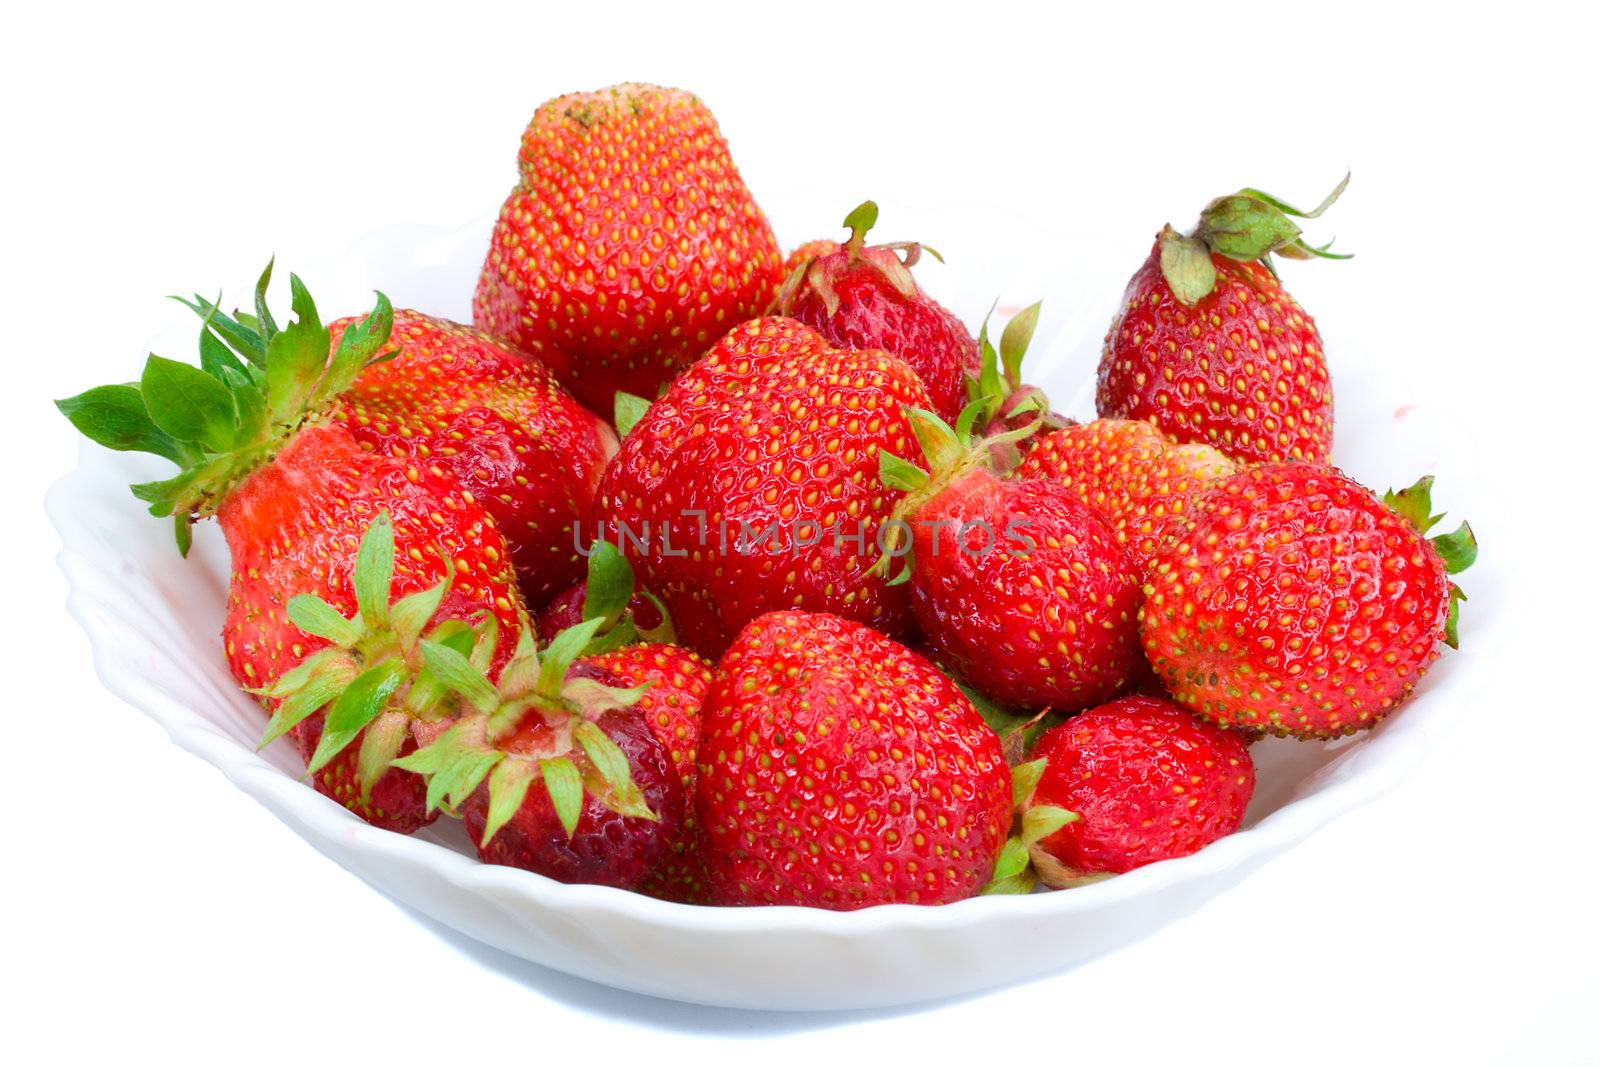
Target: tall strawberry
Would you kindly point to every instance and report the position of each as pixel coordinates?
(839, 769)
(1296, 601)
(629, 245)
(253, 431)
(865, 296)
(551, 767)
(752, 485)
(1210, 347)
(461, 403)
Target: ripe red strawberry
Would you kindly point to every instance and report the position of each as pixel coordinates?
(629, 245)
(1017, 585)
(678, 680)
(308, 627)
(840, 770)
(752, 484)
(552, 768)
(1211, 348)
(464, 404)
(866, 297)
(1146, 780)
(1298, 602)
(1138, 479)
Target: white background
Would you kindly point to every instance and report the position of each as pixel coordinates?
(149, 905)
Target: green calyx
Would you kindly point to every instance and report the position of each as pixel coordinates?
(373, 679)
(573, 756)
(997, 395)
(608, 590)
(893, 260)
(1248, 226)
(255, 386)
(1458, 548)
(982, 438)
(1015, 870)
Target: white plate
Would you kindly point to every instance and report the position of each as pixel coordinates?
(153, 620)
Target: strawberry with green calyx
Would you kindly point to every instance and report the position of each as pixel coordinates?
(1210, 347)
(368, 682)
(1020, 588)
(294, 494)
(231, 415)
(1298, 602)
(627, 614)
(1458, 548)
(608, 803)
(1119, 786)
(864, 296)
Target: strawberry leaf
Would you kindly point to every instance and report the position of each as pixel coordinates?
(897, 473)
(1458, 548)
(612, 765)
(374, 569)
(609, 586)
(115, 417)
(1014, 341)
(1024, 780)
(315, 616)
(456, 673)
(354, 708)
(508, 786)
(1040, 822)
(380, 744)
(565, 786)
(264, 321)
(187, 403)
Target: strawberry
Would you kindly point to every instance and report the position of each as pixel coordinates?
(861, 296)
(610, 803)
(1025, 592)
(1018, 586)
(678, 680)
(752, 484)
(1138, 479)
(1298, 602)
(838, 769)
(464, 404)
(1142, 780)
(308, 626)
(629, 245)
(1211, 348)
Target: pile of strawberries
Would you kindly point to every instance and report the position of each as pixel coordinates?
(734, 579)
